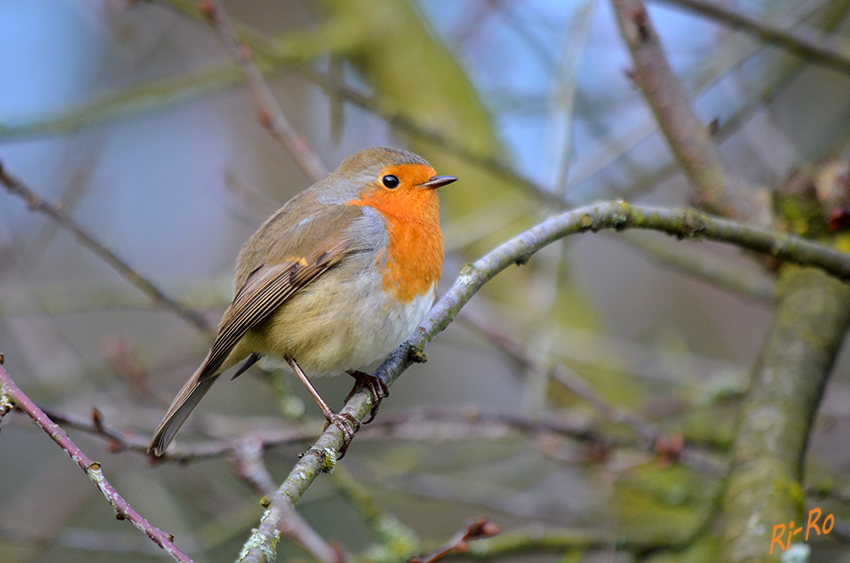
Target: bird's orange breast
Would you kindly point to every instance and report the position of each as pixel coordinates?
(414, 255)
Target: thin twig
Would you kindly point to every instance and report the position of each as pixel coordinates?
(271, 115)
(124, 440)
(10, 393)
(480, 529)
(36, 203)
(684, 223)
(77, 183)
(246, 459)
(801, 39)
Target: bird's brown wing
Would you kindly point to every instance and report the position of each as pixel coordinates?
(278, 267)
(266, 289)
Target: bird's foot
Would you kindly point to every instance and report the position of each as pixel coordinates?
(375, 385)
(349, 426)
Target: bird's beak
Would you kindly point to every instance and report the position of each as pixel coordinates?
(437, 182)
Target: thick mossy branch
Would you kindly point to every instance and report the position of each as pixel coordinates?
(763, 486)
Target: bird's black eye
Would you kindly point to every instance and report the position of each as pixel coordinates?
(390, 181)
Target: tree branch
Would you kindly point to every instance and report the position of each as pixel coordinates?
(414, 424)
(763, 487)
(480, 529)
(11, 394)
(684, 223)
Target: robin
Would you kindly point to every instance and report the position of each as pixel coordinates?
(332, 282)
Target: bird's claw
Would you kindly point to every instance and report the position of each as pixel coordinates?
(376, 387)
(349, 426)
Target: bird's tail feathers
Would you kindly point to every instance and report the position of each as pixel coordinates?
(180, 409)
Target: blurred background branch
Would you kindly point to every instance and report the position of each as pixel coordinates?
(35, 203)
(802, 40)
(716, 188)
(270, 114)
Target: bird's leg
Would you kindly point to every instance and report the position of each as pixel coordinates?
(376, 386)
(345, 422)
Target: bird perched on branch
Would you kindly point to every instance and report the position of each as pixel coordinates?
(332, 282)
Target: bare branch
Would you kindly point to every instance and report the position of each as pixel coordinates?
(414, 424)
(11, 394)
(246, 459)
